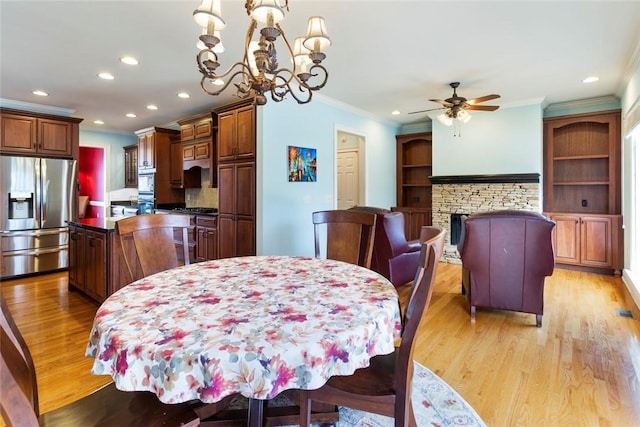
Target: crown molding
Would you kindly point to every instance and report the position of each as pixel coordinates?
(581, 103)
(35, 108)
(632, 64)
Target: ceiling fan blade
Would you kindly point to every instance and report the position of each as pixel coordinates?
(440, 101)
(424, 111)
(482, 99)
(482, 107)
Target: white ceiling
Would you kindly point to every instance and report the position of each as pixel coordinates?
(386, 55)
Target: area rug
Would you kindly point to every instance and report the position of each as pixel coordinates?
(435, 404)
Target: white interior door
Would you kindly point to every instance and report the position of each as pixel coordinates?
(348, 179)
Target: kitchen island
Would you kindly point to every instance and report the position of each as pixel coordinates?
(96, 265)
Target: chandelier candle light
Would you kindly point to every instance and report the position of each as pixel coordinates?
(258, 73)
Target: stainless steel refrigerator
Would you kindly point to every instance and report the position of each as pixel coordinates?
(38, 196)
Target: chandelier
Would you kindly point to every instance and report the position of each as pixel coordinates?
(259, 72)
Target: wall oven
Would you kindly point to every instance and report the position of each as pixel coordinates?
(146, 183)
(146, 193)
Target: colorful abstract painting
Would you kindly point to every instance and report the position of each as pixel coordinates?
(302, 164)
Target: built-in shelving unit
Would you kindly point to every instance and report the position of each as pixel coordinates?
(582, 163)
(413, 156)
(582, 188)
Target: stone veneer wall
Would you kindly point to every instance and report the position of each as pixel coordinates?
(470, 198)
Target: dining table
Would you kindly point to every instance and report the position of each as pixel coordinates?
(254, 325)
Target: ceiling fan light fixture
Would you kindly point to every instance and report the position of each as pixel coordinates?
(445, 119)
(463, 116)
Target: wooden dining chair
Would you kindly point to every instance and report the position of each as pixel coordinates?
(384, 387)
(107, 406)
(349, 235)
(148, 242)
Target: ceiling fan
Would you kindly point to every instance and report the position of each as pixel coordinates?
(456, 107)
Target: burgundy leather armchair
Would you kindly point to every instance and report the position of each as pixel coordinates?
(393, 256)
(506, 256)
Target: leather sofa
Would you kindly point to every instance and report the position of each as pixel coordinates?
(506, 256)
(393, 256)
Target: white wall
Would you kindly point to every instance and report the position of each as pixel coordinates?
(284, 208)
(504, 141)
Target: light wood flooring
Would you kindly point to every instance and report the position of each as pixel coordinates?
(582, 368)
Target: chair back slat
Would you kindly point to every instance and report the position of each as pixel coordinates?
(348, 235)
(19, 403)
(415, 311)
(148, 242)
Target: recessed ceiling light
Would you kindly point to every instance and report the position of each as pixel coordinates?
(152, 107)
(106, 76)
(131, 115)
(395, 112)
(98, 122)
(129, 60)
(218, 82)
(40, 93)
(184, 95)
(591, 79)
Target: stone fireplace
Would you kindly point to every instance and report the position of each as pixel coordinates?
(467, 194)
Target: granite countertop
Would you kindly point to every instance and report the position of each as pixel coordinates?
(101, 224)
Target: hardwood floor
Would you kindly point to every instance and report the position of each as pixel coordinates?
(582, 368)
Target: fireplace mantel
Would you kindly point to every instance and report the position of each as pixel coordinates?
(486, 179)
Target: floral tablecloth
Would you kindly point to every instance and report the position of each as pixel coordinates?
(250, 325)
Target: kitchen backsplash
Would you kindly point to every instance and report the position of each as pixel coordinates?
(204, 197)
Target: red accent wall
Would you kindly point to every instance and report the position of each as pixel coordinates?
(91, 176)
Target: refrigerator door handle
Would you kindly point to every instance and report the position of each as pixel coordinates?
(31, 233)
(38, 173)
(30, 252)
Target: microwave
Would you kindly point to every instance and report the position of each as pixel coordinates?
(146, 183)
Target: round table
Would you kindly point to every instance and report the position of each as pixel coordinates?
(250, 325)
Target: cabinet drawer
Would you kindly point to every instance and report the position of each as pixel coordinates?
(207, 221)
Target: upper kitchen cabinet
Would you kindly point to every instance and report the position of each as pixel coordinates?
(156, 145)
(197, 138)
(236, 133)
(131, 166)
(146, 149)
(38, 134)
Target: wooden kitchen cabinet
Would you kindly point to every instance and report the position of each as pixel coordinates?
(96, 249)
(236, 209)
(146, 150)
(96, 265)
(197, 136)
(182, 178)
(76, 257)
(156, 145)
(29, 133)
(131, 166)
(88, 262)
(236, 147)
(588, 240)
(206, 238)
(236, 134)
